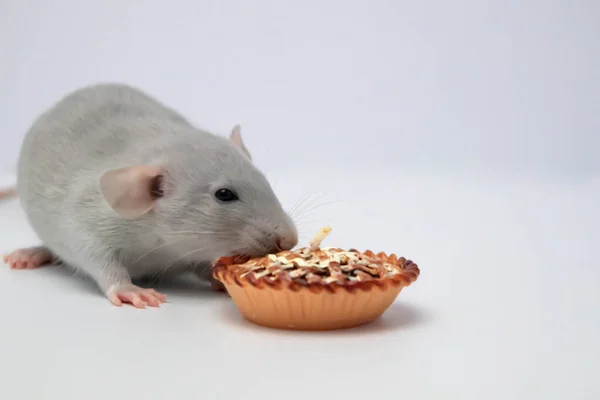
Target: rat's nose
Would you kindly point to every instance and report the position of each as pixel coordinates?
(287, 242)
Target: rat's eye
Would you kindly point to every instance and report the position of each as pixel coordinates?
(225, 195)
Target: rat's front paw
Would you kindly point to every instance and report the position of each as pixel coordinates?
(136, 296)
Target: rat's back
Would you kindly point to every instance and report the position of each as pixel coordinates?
(89, 129)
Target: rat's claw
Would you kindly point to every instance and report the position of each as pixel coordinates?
(137, 301)
(136, 296)
(150, 299)
(115, 300)
(159, 296)
(153, 298)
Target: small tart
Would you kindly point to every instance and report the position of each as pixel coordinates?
(315, 288)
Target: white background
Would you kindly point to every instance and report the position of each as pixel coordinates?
(461, 134)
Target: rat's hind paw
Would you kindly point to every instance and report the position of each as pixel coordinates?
(28, 258)
(136, 296)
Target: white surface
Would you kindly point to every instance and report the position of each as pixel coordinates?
(506, 307)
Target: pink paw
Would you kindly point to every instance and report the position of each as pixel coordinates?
(28, 258)
(136, 296)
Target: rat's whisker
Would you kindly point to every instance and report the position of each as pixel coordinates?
(169, 243)
(306, 200)
(293, 208)
(300, 203)
(193, 234)
(164, 235)
(312, 202)
(306, 210)
(307, 206)
(163, 270)
(307, 224)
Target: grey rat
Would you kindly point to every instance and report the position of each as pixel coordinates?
(119, 186)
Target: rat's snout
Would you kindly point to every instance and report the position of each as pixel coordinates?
(263, 237)
(287, 238)
(287, 241)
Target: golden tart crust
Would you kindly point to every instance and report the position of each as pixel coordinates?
(327, 269)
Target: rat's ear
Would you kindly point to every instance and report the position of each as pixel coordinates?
(236, 139)
(132, 191)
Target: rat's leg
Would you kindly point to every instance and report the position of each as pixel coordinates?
(113, 279)
(100, 259)
(29, 258)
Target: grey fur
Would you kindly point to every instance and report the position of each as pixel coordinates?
(107, 126)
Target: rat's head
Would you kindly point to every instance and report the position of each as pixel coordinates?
(208, 192)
